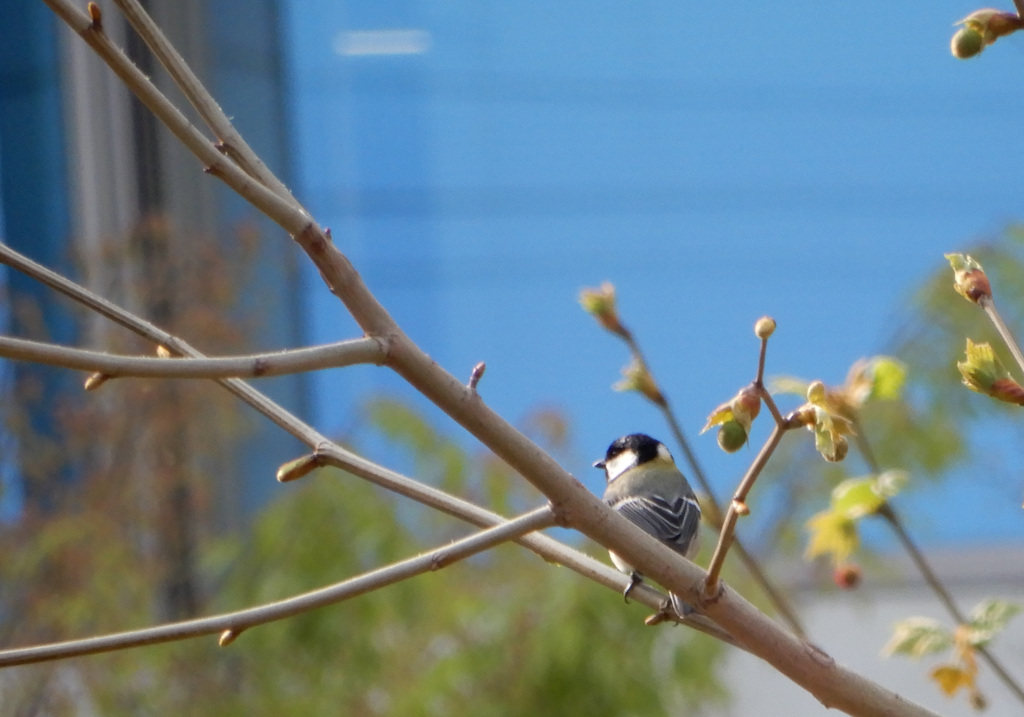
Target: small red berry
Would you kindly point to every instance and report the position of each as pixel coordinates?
(847, 576)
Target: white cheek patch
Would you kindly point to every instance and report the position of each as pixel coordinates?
(619, 464)
(663, 453)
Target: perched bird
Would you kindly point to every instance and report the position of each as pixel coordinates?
(645, 486)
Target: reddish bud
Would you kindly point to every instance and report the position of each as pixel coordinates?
(978, 700)
(847, 576)
(95, 16)
(227, 637)
(1006, 389)
(969, 278)
(976, 285)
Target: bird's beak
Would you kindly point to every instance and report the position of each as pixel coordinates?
(599, 464)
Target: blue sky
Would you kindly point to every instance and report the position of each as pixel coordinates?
(481, 162)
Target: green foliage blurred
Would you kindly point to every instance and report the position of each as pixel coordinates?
(503, 634)
(937, 428)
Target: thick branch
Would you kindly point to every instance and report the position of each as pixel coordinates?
(236, 622)
(572, 502)
(279, 363)
(333, 454)
(548, 548)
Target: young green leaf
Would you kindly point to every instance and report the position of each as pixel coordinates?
(988, 619)
(917, 637)
(889, 375)
(832, 533)
(856, 497)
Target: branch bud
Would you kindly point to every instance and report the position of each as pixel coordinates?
(636, 377)
(982, 371)
(735, 417)
(764, 327)
(95, 16)
(969, 279)
(847, 576)
(94, 381)
(980, 29)
(293, 470)
(227, 637)
(600, 303)
(966, 43)
(732, 436)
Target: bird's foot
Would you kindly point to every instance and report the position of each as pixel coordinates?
(634, 580)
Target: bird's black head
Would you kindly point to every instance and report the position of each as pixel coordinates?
(629, 451)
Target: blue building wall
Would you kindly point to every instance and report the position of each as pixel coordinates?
(240, 55)
(805, 161)
(34, 203)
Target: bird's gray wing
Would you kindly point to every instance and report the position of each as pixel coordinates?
(672, 522)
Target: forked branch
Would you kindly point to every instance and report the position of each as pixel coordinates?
(571, 503)
(332, 454)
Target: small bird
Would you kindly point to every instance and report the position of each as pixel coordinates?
(647, 488)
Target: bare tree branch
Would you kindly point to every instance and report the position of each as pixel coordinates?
(332, 454)
(231, 142)
(278, 363)
(236, 622)
(282, 210)
(572, 503)
(738, 507)
(548, 548)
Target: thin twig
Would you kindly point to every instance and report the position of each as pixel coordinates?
(236, 622)
(775, 596)
(231, 142)
(893, 519)
(762, 357)
(285, 211)
(831, 683)
(739, 507)
(773, 409)
(278, 363)
(896, 523)
(549, 549)
(994, 316)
